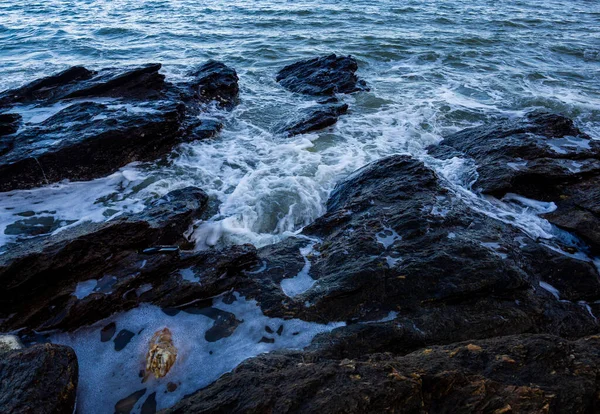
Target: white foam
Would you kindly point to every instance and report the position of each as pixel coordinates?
(548, 287)
(86, 288)
(107, 376)
(300, 283)
(387, 237)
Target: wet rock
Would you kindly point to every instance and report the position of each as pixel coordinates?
(50, 88)
(87, 140)
(525, 373)
(401, 252)
(215, 81)
(325, 75)
(542, 156)
(315, 118)
(39, 274)
(40, 379)
(141, 118)
(143, 82)
(9, 124)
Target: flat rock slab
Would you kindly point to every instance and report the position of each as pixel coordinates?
(40, 379)
(326, 75)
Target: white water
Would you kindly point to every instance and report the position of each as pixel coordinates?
(106, 376)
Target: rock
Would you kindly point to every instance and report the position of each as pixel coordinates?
(40, 379)
(395, 246)
(88, 140)
(40, 275)
(325, 75)
(524, 373)
(215, 81)
(49, 88)
(541, 156)
(143, 82)
(315, 118)
(9, 124)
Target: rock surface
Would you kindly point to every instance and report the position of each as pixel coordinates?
(40, 275)
(40, 379)
(141, 117)
(315, 118)
(325, 75)
(524, 373)
(542, 156)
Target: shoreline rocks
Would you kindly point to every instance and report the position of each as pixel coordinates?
(133, 115)
(325, 75)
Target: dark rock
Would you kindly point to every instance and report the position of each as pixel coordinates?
(326, 75)
(49, 88)
(85, 141)
(122, 339)
(215, 81)
(541, 156)
(126, 404)
(526, 373)
(43, 272)
(315, 118)
(143, 82)
(40, 379)
(395, 242)
(108, 332)
(9, 124)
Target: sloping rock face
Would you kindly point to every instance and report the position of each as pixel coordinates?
(315, 118)
(325, 75)
(414, 271)
(524, 373)
(541, 156)
(111, 118)
(40, 379)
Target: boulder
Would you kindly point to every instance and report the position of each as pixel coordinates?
(215, 81)
(543, 156)
(40, 379)
(315, 118)
(325, 75)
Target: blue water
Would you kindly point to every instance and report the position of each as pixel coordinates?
(433, 67)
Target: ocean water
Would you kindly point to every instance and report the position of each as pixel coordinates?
(433, 67)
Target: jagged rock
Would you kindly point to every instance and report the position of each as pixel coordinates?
(9, 124)
(40, 379)
(143, 82)
(396, 246)
(525, 373)
(541, 156)
(215, 81)
(325, 75)
(87, 140)
(38, 275)
(49, 88)
(315, 118)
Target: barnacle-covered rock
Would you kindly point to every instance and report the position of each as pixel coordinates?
(162, 354)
